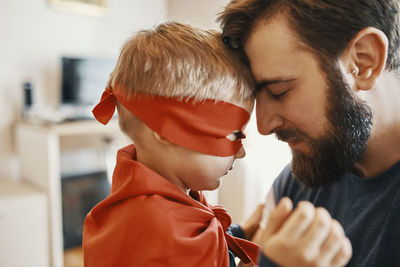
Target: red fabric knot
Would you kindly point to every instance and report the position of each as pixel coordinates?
(247, 251)
(223, 217)
(105, 109)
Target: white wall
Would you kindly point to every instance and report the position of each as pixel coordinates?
(33, 36)
(198, 13)
(247, 184)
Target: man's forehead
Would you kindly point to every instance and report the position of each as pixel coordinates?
(275, 31)
(273, 49)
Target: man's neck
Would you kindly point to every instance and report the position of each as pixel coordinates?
(379, 156)
(383, 149)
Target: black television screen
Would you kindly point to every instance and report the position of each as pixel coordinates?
(84, 79)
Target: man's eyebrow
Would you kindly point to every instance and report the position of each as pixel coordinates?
(263, 83)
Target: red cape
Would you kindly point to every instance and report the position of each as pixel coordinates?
(148, 221)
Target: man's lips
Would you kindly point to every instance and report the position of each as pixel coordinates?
(294, 139)
(289, 140)
(292, 142)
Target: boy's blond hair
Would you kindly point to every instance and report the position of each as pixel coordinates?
(182, 61)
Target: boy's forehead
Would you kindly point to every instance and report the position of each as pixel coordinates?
(246, 103)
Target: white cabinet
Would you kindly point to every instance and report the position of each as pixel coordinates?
(39, 149)
(23, 226)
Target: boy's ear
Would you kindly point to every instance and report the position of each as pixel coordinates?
(161, 139)
(365, 57)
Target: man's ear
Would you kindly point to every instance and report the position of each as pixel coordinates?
(365, 57)
(161, 139)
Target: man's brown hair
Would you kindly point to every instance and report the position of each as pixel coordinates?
(325, 26)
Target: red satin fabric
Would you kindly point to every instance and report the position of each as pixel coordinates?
(148, 221)
(198, 125)
(104, 111)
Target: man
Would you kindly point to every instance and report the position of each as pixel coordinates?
(328, 85)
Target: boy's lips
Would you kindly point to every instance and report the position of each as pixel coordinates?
(233, 164)
(228, 170)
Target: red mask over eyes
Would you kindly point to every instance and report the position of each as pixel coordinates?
(202, 126)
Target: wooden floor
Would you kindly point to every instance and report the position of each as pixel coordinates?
(73, 257)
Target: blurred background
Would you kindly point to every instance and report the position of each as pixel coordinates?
(55, 161)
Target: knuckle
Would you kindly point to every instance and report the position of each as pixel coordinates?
(323, 212)
(322, 218)
(307, 257)
(337, 231)
(347, 249)
(305, 210)
(344, 255)
(321, 263)
(337, 227)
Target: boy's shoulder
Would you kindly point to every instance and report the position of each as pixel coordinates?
(160, 211)
(146, 211)
(154, 209)
(147, 219)
(150, 230)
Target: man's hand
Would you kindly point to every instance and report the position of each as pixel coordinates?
(250, 225)
(307, 236)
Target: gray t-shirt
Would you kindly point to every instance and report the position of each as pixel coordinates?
(368, 209)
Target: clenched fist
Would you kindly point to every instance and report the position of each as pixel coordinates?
(307, 236)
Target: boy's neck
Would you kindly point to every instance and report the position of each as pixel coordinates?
(156, 164)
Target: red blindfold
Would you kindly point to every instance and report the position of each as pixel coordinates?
(202, 126)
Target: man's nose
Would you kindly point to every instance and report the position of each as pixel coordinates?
(268, 119)
(241, 153)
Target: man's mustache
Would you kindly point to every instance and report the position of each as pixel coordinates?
(290, 135)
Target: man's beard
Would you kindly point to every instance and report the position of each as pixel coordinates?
(343, 143)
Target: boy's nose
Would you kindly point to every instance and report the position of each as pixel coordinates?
(241, 153)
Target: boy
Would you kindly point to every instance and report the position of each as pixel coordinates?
(184, 100)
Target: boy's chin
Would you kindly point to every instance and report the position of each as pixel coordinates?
(214, 186)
